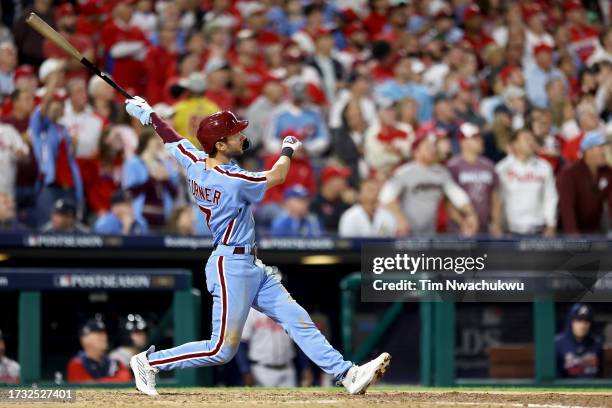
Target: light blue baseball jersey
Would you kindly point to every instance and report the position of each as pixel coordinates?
(238, 282)
(223, 193)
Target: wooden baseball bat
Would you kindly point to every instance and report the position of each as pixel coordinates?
(49, 33)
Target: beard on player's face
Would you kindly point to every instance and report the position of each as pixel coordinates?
(233, 146)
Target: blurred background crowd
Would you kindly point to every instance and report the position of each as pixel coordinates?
(418, 117)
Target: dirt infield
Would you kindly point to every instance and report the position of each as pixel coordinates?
(385, 397)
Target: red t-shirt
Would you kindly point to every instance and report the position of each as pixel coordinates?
(374, 23)
(571, 148)
(63, 173)
(158, 73)
(300, 172)
(127, 72)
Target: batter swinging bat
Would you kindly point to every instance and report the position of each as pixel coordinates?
(49, 33)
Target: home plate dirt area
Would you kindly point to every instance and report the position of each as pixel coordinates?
(328, 397)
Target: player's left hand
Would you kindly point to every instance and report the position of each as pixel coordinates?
(291, 142)
(139, 109)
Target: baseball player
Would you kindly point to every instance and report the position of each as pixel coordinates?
(236, 279)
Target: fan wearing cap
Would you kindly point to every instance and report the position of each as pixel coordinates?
(120, 220)
(475, 35)
(585, 188)
(529, 195)
(537, 75)
(296, 220)
(54, 151)
(92, 364)
(476, 175)
(132, 338)
(357, 50)
(533, 15)
(10, 371)
(65, 20)
(63, 219)
(579, 352)
(126, 45)
(298, 114)
(190, 111)
(443, 28)
(334, 197)
(415, 190)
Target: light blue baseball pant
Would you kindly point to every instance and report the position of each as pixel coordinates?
(236, 283)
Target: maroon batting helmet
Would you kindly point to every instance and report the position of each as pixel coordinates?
(218, 126)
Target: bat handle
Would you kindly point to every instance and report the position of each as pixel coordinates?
(105, 77)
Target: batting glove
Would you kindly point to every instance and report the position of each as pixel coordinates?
(139, 109)
(292, 143)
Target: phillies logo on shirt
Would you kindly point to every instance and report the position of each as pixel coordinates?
(524, 178)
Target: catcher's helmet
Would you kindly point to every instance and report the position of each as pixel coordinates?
(218, 126)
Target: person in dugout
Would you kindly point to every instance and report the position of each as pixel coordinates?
(579, 352)
(133, 338)
(92, 364)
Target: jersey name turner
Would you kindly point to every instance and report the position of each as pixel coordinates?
(209, 195)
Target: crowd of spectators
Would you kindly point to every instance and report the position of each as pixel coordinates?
(417, 117)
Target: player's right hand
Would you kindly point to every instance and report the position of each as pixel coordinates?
(139, 108)
(291, 142)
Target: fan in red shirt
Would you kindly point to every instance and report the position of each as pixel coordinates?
(89, 19)
(395, 31)
(474, 34)
(247, 59)
(66, 25)
(127, 47)
(157, 74)
(92, 364)
(377, 19)
(583, 37)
